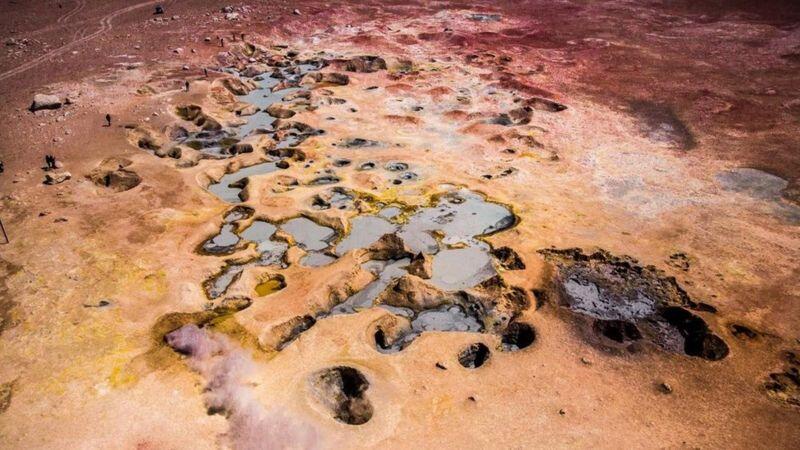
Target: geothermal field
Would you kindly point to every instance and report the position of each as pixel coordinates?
(427, 224)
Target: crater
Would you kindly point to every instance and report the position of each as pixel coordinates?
(342, 391)
(621, 302)
(474, 356)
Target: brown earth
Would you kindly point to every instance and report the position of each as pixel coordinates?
(663, 100)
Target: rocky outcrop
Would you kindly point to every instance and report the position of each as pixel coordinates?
(388, 247)
(361, 64)
(421, 265)
(44, 101)
(112, 173)
(56, 177)
(327, 78)
(414, 293)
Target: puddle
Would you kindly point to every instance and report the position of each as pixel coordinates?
(364, 231)
(461, 268)
(223, 243)
(460, 216)
(230, 185)
(390, 212)
(334, 198)
(263, 97)
(308, 234)
(445, 319)
(219, 284)
(316, 259)
(270, 285)
(386, 271)
(271, 251)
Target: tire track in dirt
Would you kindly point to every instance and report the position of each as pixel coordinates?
(105, 25)
(78, 7)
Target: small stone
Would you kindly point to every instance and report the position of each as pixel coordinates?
(296, 12)
(440, 366)
(586, 361)
(57, 177)
(562, 412)
(665, 388)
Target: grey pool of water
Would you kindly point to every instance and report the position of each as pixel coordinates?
(461, 268)
(308, 234)
(460, 215)
(386, 271)
(261, 233)
(226, 192)
(316, 259)
(390, 212)
(364, 231)
(224, 242)
(445, 318)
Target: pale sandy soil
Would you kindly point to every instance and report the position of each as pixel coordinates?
(662, 104)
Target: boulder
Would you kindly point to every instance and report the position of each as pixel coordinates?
(254, 70)
(364, 64)
(172, 152)
(388, 247)
(44, 101)
(279, 112)
(57, 177)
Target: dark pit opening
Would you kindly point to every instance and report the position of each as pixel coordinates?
(342, 390)
(474, 356)
(518, 335)
(698, 339)
(617, 330)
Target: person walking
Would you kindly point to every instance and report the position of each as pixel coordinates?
(108, 120)
(187, 85)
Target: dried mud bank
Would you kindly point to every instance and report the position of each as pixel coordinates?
(350, 248)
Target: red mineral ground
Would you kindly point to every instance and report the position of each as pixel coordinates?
(362, 224)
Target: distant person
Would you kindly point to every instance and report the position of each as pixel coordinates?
(205, 72)
(108, 120)
(222, 42)
(2, 167)
(233, 36)
(187, 85)
(242, 37)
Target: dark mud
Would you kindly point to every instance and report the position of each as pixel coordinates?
(342, 391)
(621, 303)
(474, 356)
(784, 385)
(660, 123)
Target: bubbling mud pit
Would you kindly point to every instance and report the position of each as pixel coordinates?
(431, 268)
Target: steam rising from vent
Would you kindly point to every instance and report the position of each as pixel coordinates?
(225, 367)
